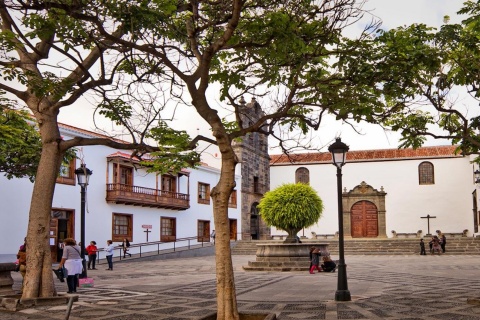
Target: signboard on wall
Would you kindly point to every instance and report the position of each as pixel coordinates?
(147, 226)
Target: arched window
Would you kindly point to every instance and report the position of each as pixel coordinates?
(302, 175)
(425, 173)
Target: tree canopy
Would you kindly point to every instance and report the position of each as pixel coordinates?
(20, 145)
(291, 207)
(428, 78)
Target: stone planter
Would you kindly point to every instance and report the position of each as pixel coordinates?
(245, 316)
(284, 256)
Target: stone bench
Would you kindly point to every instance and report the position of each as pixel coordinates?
(324, 236)
(455, 234)
(417, 234)
(6, 280)
(279, 236)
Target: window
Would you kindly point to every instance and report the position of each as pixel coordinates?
(302, 175)
(203, 231)
(122, 227)
(168, 230)
(425, 173)
(67, 173)
(203, 193)
(123, 175)
(169, 183)
(256, 185)
(232, 201)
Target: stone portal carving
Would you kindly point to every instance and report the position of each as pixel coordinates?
(364, 192)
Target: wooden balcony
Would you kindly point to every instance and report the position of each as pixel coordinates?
(146, 197)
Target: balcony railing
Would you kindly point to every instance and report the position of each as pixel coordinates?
(146, 197)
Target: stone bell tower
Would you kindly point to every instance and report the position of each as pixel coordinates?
(252, 152)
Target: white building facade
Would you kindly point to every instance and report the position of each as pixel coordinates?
(122, 201)
(387, 190)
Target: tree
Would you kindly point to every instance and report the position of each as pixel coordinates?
(48, 60)
(284, 51)
(291, 207)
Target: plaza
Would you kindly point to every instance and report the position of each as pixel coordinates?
(382, 287)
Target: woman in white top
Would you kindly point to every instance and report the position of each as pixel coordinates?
(72, 261)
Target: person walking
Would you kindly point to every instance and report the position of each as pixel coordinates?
(315, 261)
(109, 254)
(92, 254)
(422, 248)
(213, 236)
(72, 262)
(125, 247)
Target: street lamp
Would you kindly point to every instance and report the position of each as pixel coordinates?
(476, 174)
(339, 152)
(83, 175)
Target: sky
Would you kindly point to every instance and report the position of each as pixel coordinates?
(393, 13)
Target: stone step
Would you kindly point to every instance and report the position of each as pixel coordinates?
(455, 246)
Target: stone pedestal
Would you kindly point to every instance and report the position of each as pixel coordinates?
(6, 280)
(284, 256)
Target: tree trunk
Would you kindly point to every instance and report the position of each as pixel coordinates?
(226, 295)
(39, 276)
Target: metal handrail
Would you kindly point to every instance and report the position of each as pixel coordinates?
(175, 247)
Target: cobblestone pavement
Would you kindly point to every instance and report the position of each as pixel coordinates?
(382, 287)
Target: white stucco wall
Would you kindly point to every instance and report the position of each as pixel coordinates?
(16, 194)
(449, 199)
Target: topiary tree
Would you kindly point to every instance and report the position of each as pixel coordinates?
(291, 207)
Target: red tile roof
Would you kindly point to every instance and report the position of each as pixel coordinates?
(368, 155)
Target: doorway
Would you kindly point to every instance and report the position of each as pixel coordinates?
(233, 229)
(364, 220)
(61, 226)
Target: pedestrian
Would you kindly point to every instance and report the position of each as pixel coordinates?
(92, 254)
(311, 256)
(443, 241)
(315, 261)
(125, 247)
(422, 248)
(213, 236)
(72, 262)
(430, 245)
(109, 254)
(328, 265)
(436, 245)
(22, 263)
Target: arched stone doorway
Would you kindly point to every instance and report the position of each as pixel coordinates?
(364, 220)
(364, 207)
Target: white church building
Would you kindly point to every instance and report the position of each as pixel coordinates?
(388, 192)
(385, 193)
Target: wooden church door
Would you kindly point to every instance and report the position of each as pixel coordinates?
(364, 220)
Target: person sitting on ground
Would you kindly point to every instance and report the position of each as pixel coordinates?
(328, 265)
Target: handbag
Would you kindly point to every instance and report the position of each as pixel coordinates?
(60, 273)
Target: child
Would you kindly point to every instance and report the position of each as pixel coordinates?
(328, 265)
(315, 261)
(422, 248)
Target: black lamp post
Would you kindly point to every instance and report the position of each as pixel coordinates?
(83, 175)
(339, 152)
(476, 174)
